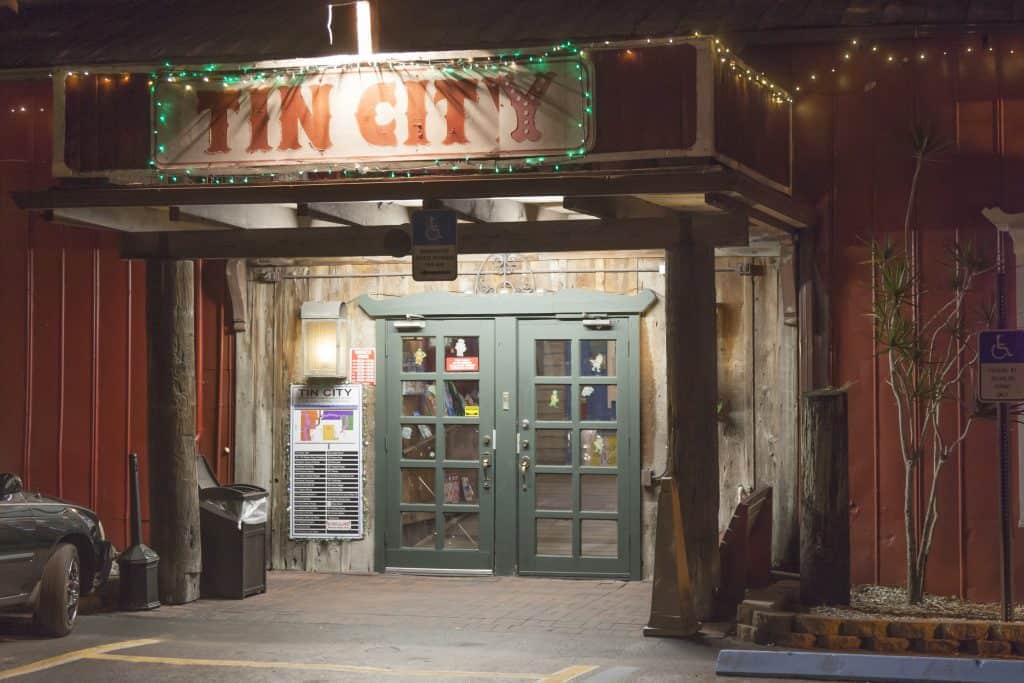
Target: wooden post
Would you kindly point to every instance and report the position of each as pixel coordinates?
(824, 500)
(692, 387)
(173, 489)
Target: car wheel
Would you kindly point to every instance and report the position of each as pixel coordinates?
(59, 592)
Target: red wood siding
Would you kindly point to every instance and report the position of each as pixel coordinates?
(107, 122)
(645, 98)
(751, 125)
(851, 157)
(74, 340)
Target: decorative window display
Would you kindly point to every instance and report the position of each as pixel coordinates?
(462, 354)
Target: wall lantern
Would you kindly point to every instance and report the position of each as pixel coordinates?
(324, 339)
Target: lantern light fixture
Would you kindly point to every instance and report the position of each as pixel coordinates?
(324, 339)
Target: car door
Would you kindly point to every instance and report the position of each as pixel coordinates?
(18, 548)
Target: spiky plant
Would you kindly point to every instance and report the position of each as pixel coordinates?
(928, 358)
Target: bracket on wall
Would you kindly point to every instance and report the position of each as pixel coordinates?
(235, 272)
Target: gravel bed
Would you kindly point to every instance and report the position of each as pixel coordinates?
(874, 601)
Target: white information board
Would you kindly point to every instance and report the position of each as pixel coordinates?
(326, 466)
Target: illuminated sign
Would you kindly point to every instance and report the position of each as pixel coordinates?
(388, 114)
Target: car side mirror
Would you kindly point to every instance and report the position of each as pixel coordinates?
(10, 484)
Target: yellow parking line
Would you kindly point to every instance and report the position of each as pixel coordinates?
(567, 674)
(313, 666)
(68, 657)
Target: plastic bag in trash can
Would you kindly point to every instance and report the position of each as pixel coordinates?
(253, 512)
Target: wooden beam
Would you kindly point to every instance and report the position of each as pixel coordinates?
(692, 391)
(173, 488)
(727, 229)
(487, 210)
(731, 202)
(358, 213)
(244, 216)
(126, 219)
(690, 179)
(775, 203)
(616, 207)
(479, 238)
(236, 273)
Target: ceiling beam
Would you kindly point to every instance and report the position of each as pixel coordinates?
(689, 179)
(244, 216)
(774, 203)
(126, 219)
(478, 238)
(616, 207)
(487, 210)
(358, 213)
(731, 202)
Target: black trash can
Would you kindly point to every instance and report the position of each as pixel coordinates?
(233, 523)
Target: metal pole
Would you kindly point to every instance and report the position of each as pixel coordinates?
(133, 465)
(1004, 459)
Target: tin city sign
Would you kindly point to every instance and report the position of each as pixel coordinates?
(382, 115)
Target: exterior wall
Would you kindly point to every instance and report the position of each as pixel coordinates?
(852, 159)
(74, 339)
(269, 360)
(272, 361)
(757, 388)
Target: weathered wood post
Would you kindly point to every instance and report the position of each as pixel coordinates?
(173, 489)
(824, 500)
(692, 373)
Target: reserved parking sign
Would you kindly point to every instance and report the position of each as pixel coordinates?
(1001, 366)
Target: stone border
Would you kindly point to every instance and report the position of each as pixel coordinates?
(766, 624)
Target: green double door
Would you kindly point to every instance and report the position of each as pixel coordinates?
(510, 446)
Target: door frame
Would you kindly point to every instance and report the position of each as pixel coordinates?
(506, 310)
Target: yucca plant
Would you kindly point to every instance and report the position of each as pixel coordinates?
(929, 355)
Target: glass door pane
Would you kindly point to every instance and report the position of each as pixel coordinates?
(440, 424)
(573, 449)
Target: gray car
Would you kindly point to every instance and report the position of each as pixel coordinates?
(51, 553)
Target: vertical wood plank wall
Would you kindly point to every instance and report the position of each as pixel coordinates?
(852, 157)
(73, 340)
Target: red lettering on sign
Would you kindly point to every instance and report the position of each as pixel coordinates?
(526, 105)
(416, 115)
(218, 104)
(294, 111)
(366, 115)
(494, 88)
(455, 92)
(259, 120)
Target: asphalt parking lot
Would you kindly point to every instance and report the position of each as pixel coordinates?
(367, 628)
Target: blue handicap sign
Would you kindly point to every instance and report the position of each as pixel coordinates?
(1001, 366)
(435, 251)
(1001, 346)
(434, 228)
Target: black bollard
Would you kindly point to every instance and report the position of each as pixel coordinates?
(138, 564)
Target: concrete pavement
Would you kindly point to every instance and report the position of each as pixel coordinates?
(328, 627)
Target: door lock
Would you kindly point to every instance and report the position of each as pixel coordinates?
(524, 466)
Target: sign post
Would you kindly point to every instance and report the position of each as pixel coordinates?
(435, 245)
(1001, 381)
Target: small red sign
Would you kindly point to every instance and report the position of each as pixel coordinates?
(363, 366)
(462, 364)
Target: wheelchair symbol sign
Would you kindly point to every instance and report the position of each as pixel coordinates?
(1001, 366)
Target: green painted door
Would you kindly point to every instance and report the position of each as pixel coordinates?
(439, 440)
(575, 450)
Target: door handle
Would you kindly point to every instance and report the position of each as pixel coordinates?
(485, 465)
(524, 466)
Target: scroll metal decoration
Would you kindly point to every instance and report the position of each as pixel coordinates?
(505, 274)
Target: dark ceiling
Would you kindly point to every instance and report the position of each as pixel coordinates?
(82, 32)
